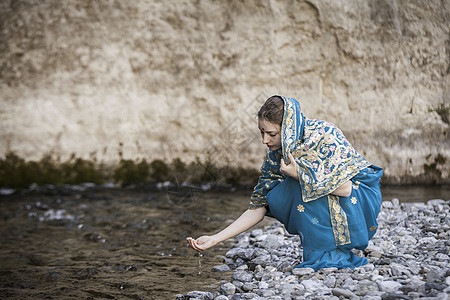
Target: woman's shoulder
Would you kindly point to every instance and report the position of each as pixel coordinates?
(316, 123)
(316, 130)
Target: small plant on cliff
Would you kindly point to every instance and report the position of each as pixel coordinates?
(432, 169)
(159, 171)
(128, 172)
(443, 111)
(15, 172)
(78, 170)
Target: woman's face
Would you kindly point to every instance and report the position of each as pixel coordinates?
(270, 133)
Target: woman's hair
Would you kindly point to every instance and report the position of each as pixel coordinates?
(272, 110)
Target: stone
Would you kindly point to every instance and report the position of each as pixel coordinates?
(242, 276)
(289, 279)
(271, 242)
(288, 288)
(389, 286)
(256, 232)
(433, 273)
(427, 240)
(227, 288)
(327, 271)
(395, 296)
(238, 284)
(248, 287)
(364, 287)
(234, 252)
(201, 295)
(387, 204)
(408, 288)
(435, 286)
(285, 265)
(398, 270)
(277, 275)
(329, 281)
(267, 293)
(263, 285)
(343, 292)
(302, 271)
(263, 261)
(313, 284)
(247, 296)
(408, 240)
(435, 202)
(395, 202)
(221, 268)
(243, 267)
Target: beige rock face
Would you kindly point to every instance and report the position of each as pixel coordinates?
(167, 79)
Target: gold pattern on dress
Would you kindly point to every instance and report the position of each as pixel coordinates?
(300, 208)
(338, 221)
(373, 228)
(320, 169)
(354, 200)
(356, 185)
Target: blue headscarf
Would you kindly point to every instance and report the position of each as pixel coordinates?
(324, 157)
(291, 127)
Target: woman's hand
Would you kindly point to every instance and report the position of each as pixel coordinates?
(290, 169)
(202, 243)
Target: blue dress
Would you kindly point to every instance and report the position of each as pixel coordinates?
(329, 226)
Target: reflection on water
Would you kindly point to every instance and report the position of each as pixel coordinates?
(415, 193)
(114, 243)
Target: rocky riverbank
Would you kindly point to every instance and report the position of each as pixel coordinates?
(408, 259)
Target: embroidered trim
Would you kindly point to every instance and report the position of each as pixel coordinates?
(338, 221)
(291, 127)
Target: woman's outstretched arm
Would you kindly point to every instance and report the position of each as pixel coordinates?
(247, 220)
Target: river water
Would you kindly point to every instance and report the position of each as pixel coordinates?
(111, 243)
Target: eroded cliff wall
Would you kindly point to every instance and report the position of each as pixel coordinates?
(166, 79)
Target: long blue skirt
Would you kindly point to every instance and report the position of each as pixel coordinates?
(328, 234)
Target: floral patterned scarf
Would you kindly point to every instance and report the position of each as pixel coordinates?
(325, 159)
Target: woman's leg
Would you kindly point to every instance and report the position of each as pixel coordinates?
(312, 220)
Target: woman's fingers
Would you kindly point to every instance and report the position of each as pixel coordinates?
(193, 244)
(283, 165)
(289, 169)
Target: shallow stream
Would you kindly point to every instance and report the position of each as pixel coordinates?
(108, 243)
